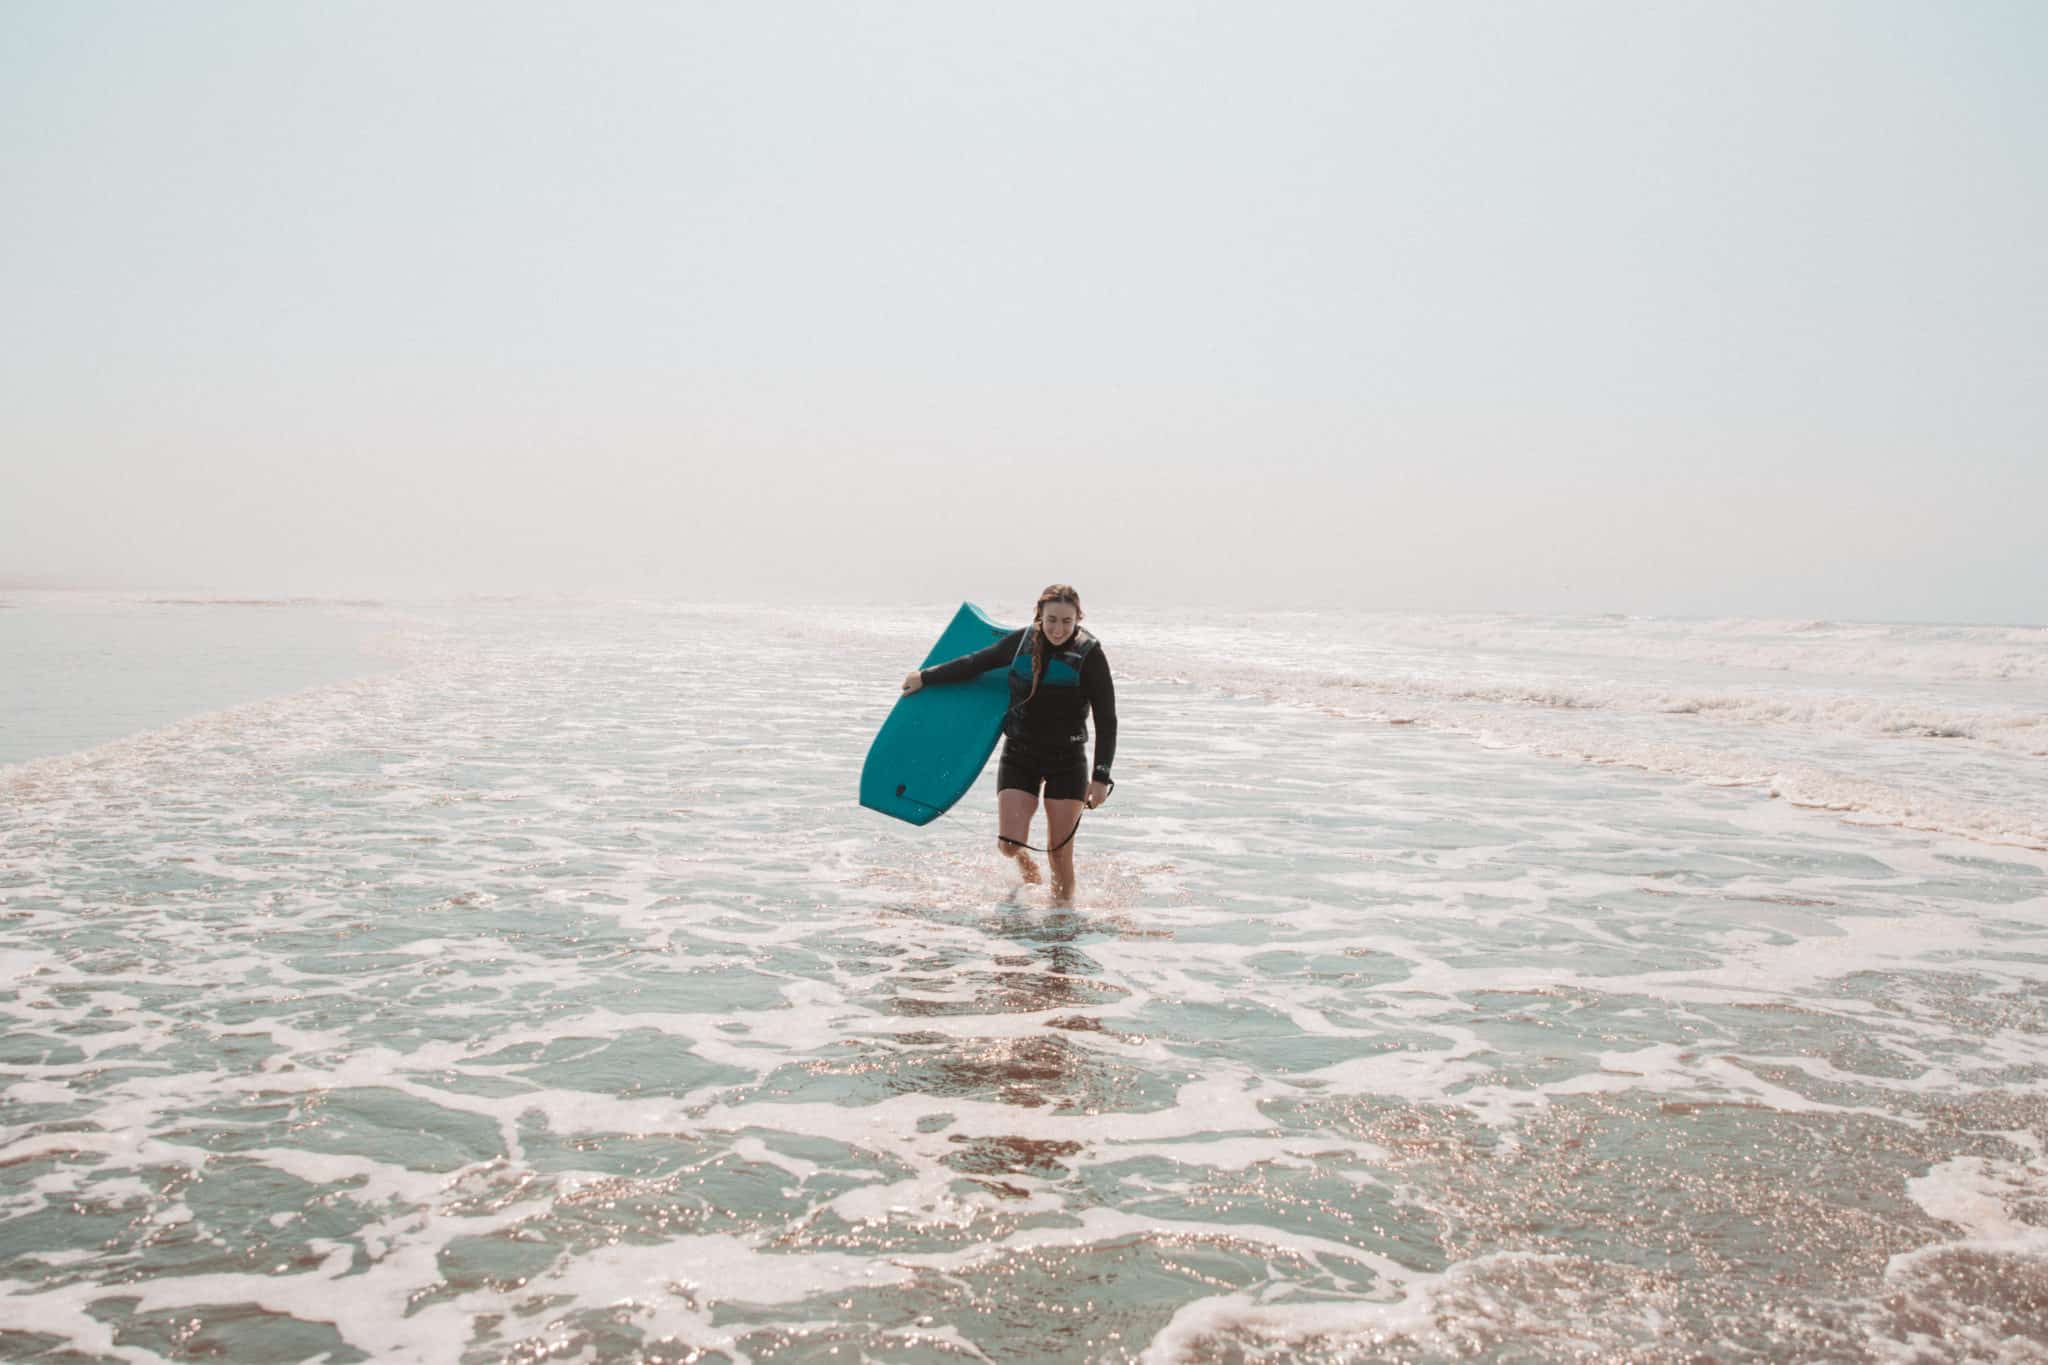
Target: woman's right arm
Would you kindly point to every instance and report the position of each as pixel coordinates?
(997, 655)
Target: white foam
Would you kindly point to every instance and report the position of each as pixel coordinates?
(1988, 1199)
(1434, 1314)
(1998, 1207)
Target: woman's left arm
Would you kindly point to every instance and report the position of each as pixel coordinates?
(1101, 690)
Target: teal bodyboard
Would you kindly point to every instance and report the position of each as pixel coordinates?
(937, 740)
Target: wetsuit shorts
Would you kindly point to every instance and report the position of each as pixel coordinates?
(1063, 773)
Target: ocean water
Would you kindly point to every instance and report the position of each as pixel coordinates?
(520, 981)
(79, 669)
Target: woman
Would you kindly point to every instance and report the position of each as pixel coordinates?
(1057, 676)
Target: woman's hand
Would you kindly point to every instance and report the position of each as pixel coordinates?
(1098, 792)
(913, 682)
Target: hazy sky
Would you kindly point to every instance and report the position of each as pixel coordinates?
(1671, 307)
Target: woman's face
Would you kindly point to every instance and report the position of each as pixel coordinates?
(1057, 620)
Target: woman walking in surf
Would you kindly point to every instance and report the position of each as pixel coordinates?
(1058, 676)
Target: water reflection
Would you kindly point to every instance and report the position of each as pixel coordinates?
(1016, 963)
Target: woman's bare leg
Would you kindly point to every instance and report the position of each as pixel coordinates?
(1014, 810)
(1060, 819)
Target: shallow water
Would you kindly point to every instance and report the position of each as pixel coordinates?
(83, 668)
(548, 997)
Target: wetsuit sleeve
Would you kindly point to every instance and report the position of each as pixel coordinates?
(1095, 681)
(997, 655)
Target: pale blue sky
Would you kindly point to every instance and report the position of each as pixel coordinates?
(1691, 308)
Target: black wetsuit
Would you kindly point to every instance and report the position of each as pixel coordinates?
(1045, 734)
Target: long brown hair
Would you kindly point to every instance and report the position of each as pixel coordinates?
(1058, 592)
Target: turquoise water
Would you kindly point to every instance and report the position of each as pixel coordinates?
(82, 669)
(545, 995)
